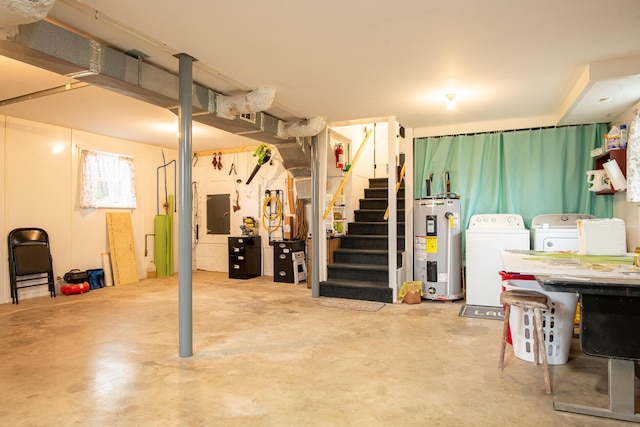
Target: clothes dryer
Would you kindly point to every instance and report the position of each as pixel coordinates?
(556, 232)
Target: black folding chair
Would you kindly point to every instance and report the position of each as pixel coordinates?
(30, 262)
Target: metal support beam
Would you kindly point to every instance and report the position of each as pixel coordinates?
(316, 234)
(185, 282)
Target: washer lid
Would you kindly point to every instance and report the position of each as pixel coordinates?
(558, 220)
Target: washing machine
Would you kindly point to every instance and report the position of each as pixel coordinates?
(556, 232)
(486, 236)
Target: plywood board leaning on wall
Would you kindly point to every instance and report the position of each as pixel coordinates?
(123, 254)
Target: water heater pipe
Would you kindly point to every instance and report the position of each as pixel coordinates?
(448, 216)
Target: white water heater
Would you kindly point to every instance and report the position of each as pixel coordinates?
(437, 254)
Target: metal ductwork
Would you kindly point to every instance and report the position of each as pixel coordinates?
(59, 50)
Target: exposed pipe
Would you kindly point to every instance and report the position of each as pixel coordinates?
(302, 128)
(228, 107)
(146, 250)
(18, 12)
(166, 195)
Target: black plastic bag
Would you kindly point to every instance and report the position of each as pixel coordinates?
(75, 276)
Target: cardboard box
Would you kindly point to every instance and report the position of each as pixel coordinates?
(288, 227)
(602, 237)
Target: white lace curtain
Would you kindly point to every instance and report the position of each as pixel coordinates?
(107, 180)
(633, 158)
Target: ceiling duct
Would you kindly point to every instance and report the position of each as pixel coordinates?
(59, 50)
(17, 12)
(302, 128)
(296, 157)
(65, 52)
(228, 107)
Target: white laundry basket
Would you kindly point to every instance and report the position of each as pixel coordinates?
(557, 324)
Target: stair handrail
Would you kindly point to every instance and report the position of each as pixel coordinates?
(386, 213)
(344, 179)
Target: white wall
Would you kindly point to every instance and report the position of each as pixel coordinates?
(4, 275)
(211, 250)
(40, 189)
(627, 211)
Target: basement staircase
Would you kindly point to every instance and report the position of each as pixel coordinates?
(361, 266)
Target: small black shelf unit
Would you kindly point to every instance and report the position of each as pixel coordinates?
(283, 251)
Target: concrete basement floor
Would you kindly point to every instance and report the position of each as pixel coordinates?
(267, 354)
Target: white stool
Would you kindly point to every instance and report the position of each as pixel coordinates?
(298, 261)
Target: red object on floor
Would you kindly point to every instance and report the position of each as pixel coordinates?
(513, 276)
(74, 288)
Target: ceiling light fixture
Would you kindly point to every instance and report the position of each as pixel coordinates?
(603, 100)
(451, 101)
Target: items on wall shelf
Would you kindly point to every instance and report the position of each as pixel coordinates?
(339, 220)
(610, 172)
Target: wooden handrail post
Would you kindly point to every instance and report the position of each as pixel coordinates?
(386, 213)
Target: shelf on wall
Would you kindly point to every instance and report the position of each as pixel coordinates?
(620, 156)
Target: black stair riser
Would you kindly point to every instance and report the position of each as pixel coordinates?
(334, 271)
(376, 228)
(380, 193)
(379, 204)
(360, 269)
(373, 293)
(381, 182)
(378, 182)
(368, 242)
(354, 257)
(374, 215)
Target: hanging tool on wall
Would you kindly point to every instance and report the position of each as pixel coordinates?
(263, 153)
(272, 212)
(236, 181)
(236, 206)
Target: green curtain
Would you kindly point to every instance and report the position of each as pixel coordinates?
(527, 172)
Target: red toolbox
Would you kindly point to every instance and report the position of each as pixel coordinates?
(74, 288)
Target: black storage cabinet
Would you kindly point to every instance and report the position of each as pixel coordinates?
(283, 259)
(245, 257)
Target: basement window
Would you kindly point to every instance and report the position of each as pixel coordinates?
(107, 180)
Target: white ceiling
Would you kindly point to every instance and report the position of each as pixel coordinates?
(512, 64)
